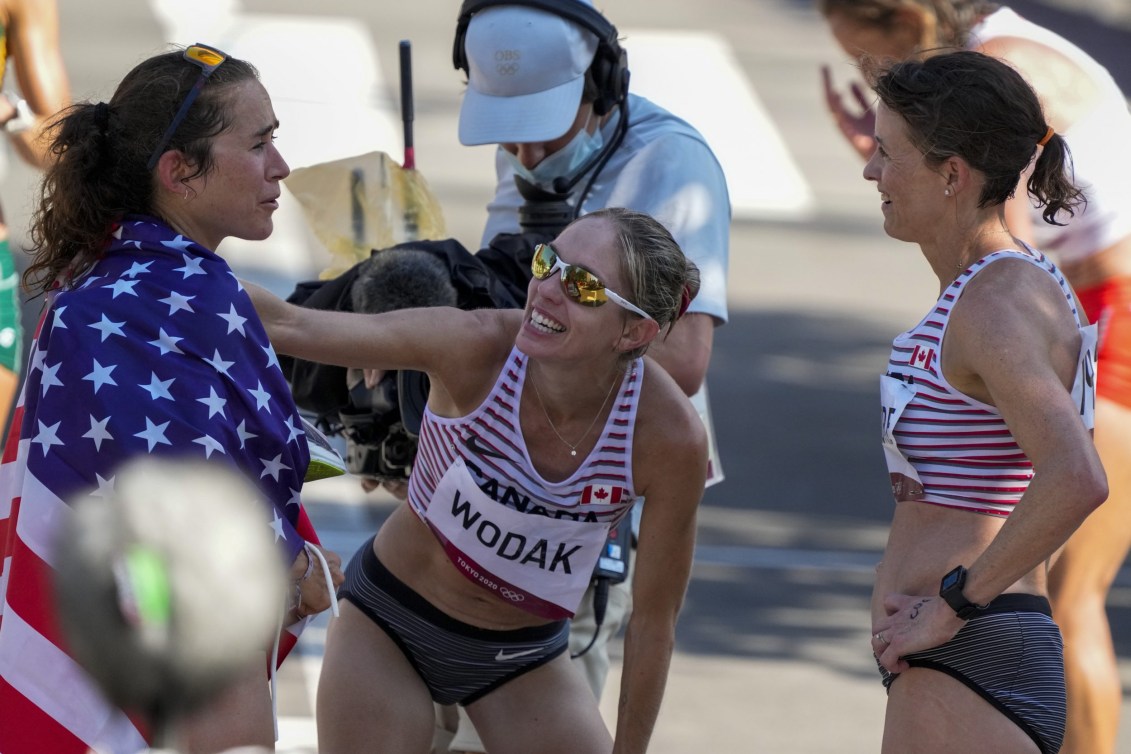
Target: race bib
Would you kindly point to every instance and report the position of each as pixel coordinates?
(1084, 386)
(895, 394)
(538, 563)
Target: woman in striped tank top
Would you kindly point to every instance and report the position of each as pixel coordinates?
(1086, 106)
(987, 406)
(542, 428)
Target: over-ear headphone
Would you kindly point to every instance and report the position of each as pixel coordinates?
(610, 64)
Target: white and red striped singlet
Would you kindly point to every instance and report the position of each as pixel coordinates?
(490, 442)
(944, 447)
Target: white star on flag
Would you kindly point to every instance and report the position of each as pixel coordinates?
(214, 402)
(244, 434)
(49, 380)
(192, 267)
(123, 286)
(273, 467)
(177, 303)
(262, 397)
(166, 342)
(272, 359)
(154, 434)
(210, 445)
(98, 431)
(277, 526)
(219, 364)
(158, 388)
(108, 328)
(48, 436)
(180, 243)
(234, 320)
(101, 375)
(137, 269)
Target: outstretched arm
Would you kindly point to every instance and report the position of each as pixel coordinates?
(454, 347)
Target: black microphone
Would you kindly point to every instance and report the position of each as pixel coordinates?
(563, 184)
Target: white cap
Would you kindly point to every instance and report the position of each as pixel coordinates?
(526, 72)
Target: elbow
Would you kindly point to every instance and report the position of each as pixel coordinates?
(1090, 485)
(658, 635)
(688, 369)
(689, 380)
(1096, 491)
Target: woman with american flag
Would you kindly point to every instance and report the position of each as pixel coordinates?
(148, 345)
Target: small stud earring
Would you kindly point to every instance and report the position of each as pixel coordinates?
(946, 191)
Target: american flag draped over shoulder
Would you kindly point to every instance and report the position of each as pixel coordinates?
(157, 350)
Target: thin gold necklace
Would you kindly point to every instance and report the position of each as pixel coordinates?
(572, 446)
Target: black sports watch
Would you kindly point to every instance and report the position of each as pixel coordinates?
(951, 590)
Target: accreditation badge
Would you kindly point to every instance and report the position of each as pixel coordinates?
(536, 562)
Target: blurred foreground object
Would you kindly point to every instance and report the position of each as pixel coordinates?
(361, 203)
(167, 585)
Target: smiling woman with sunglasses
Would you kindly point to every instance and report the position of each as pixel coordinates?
(464, 594)
(149, 346)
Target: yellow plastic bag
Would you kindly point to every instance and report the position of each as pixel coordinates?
(366, 202)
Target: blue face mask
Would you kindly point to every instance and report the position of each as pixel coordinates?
(562, 163)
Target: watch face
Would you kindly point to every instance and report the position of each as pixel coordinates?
(950, 579)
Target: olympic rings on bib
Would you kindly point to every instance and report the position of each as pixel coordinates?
(512, 595)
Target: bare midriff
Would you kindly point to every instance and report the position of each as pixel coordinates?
(926, 541)
(411, 552)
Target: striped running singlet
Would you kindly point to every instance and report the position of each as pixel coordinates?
(489, 441)
(944, 447)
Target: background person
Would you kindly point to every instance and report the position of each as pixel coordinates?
(987, 405)
(148, 346)
(29, 39)
(549, 83)
(432, 611)
(1093, 249)
(163, 545)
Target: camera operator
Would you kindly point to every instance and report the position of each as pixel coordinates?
(547, 81)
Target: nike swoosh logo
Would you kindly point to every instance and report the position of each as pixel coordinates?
(504, 656)
(477, 446)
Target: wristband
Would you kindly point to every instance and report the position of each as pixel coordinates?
(23, 119)
(310, 565)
